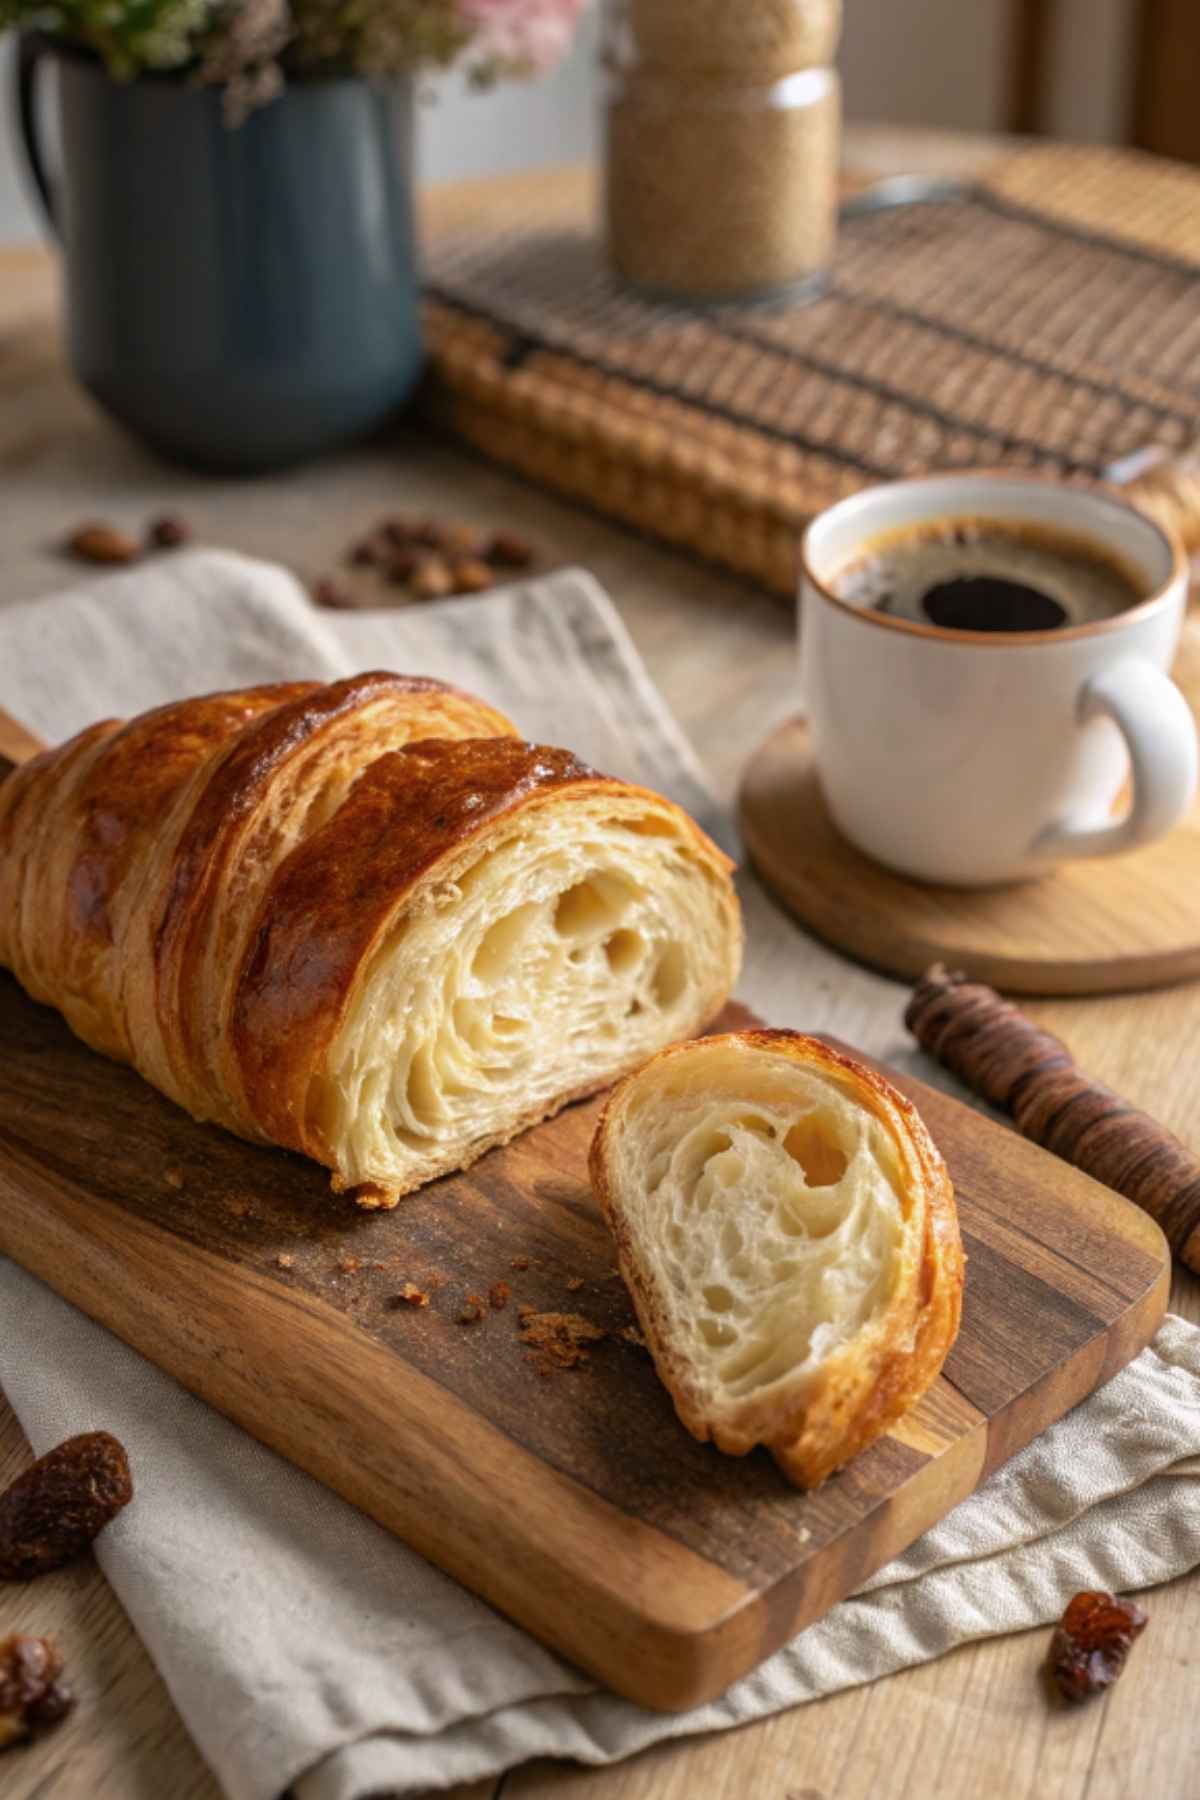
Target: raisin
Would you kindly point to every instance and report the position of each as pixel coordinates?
(400, 565)
(54, 1510)
(31, 1695)
(507, 550)
(1089, 1646)
(169, 532)
(329, 592)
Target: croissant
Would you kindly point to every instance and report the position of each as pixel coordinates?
(788, 1234)
(365, 921)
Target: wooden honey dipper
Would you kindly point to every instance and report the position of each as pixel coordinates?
(1030, 1074)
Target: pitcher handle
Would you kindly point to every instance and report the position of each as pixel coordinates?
(31, 47)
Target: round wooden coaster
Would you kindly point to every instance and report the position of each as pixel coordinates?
(1097, 927)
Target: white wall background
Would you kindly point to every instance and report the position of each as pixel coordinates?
(926, 62)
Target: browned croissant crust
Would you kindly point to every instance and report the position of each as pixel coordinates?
(324, 916)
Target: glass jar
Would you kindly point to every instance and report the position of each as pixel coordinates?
(723, 133)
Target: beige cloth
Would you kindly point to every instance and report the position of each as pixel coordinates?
(302, 1644)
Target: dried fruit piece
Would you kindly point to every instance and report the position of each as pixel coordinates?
(1089, 1647)
(329, 592)
(507, 550)
(168, 532)
(399, 566)
(54, 1510)
(474, 1310)
(498, 1295)
(97, 541)
(32, 1697)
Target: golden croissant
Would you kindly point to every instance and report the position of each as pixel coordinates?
(787, 1230)
(365, 920)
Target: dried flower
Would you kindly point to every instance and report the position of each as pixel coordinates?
(518, 37)
(248, 46)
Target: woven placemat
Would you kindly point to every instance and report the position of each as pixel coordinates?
(1046, 317)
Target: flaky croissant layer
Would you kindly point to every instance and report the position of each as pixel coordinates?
(365, 921)
(788, 1233)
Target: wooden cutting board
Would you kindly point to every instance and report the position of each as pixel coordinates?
(572, 1500)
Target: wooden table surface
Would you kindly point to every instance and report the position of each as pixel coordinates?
(973, 1723)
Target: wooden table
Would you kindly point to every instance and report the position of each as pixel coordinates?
(973, 1723)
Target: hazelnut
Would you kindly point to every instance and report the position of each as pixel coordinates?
(432, 579)
(97, 541)
(471, 576)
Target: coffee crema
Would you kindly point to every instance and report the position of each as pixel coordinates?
(988, 576)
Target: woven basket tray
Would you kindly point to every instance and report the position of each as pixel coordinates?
(1047, 317)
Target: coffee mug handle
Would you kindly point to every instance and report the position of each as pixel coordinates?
(1160, 734)
(31, 47)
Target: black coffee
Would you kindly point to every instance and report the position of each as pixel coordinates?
(988, 576)
(991, 603)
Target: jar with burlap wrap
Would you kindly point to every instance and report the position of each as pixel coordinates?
(722, 138)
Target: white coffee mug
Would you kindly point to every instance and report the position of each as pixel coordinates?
(978, 757)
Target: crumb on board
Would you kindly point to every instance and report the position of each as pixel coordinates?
(574, 1283)
(173, 1178)
(629, 1334)
(498, 1295)
(558, 1340)
(525, 1310)
(473, 1310)
(349, 1265)
(284, 1260)
(410, 1295)
(519, 1262)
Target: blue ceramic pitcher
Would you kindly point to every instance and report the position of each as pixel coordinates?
(240, 297)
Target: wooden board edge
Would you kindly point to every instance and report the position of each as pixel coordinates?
(144, 1285)
(675, 1630)
(796, 1601)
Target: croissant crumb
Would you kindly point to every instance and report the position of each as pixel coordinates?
(787, 1233)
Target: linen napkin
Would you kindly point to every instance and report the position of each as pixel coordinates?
(303, 1645)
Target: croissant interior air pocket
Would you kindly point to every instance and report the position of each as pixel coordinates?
(777, 1220)
(558, 958)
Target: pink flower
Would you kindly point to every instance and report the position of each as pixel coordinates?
(527, 36)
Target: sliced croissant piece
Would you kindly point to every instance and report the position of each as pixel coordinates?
(787, 1230)
(365, 921)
